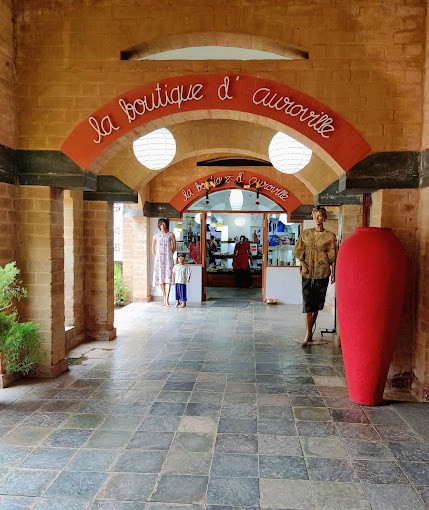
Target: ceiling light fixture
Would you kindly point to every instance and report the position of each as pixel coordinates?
(239, 221)
(156, 150)
(236, 199)
(287, 155)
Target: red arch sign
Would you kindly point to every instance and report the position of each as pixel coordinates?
(231, 179)
(241, 93)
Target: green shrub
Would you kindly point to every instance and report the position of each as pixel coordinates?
(10, 286)
(21, 344)
(121, 290)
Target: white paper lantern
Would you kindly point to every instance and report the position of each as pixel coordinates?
(239, 221)
(198, 218)
(287, 155)
(236, 199)
(156, 150)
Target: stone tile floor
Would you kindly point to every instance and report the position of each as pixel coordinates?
(206, 408)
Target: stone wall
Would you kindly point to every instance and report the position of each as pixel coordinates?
(8, 223)
(365, 59)
(398, 210)
(421, 344)
(7, 82)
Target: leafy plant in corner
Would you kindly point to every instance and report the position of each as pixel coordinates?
(21, 343)
(120, 288)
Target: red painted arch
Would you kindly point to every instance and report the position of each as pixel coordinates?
(242, 93)
(195, 190)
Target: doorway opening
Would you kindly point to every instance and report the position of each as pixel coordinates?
(234, 256)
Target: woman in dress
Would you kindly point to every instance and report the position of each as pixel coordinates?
(240, 262)
(163, 247)
(316, 250)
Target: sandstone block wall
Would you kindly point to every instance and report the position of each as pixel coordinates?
(8, 127)
(8, 222)
(365, 59)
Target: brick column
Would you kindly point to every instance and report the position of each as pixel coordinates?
(398, 209)
(41, 260)
(98, 255)
(8, 222)
(136, 249)
(74, 268)
(421, 349)
(350, 217)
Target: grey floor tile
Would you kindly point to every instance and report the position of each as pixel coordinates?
(288, 468)
(49, 458)
(237, 425)
(193, 442)
(128, 487)
(140, 461)
(330, 447)
(311, 414)
(233, 492)
(61, 504)
(376, 450)
(399, 497)
(109, 439)
(316, 429)
(70, 438)
(340, 495)
(29, 482)
(181, 489)
(417, 472)
(290, 494)
(235, 465)
(410, 451)
(155, 423)
(276, 426)
(279, 445)
(378, 472)
(151, 440)
(187, 463)
(93, 460)
(333, 470)
(197, 409)
(76, 484)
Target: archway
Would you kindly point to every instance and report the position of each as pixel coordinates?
(325, 131)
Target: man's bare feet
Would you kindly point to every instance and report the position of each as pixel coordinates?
(306, 341)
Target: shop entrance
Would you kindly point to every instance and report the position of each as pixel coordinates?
(234, 256)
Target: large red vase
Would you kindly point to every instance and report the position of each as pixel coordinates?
(370, 288)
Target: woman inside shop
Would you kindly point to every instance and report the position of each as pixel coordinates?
(240, 263)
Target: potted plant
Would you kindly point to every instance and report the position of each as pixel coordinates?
(21, 343)
(120, 288)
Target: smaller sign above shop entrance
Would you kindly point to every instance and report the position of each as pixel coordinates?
(234, 179)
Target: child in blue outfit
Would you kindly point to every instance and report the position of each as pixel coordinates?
(181, 276)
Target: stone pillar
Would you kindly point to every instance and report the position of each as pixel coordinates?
(74, 268)
(420, 384)
(98, 256)
(137, 253)
(398, 209)
(8, 222)
(350, 217)
(41, 260)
